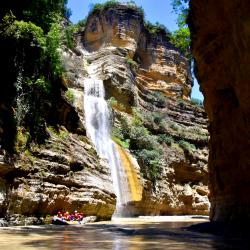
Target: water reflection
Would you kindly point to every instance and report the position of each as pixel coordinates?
(164, 235)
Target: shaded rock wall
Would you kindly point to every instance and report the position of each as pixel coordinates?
(221, 48)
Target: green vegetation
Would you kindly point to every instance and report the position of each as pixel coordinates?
(96, 8)
(167, 139)
(157, 28)
(157, 98)
(103, 6)
(22, 139)
(151, 161)
(124, 144)
(62, 134)
(114, 104)
(158, 118)
(82, 23)
(186, 146)
(181, 103)
(39, 12)
(68, 33)
(197, 102)
(32, 33)
(145, 146)
(181, 37)
(155, 118)
(53, 43)
(28, 156)
(173, 125)
(68, 36)
(133, 64)
(181, 40)
(70, 96)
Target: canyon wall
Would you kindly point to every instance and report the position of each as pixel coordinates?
(150, 81)
(65, 173)
(144, 71)
(220, 45)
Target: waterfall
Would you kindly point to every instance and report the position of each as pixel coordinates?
(97, 117)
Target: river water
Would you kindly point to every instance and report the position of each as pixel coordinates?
(127, 235)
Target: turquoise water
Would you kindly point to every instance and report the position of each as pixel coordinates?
(162, 235)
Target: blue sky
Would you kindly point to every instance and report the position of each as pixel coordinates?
(155, 10)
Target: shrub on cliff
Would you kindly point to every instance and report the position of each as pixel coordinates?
(158, 99)
(150, 160)
(181, 103)
(163, 138)
(69, 94)
(96, 8)
(186, 146)
(68, 36)
(142, 144)
(197, 102)
(140, 138)
(133, 64)
(114, 104)
(157, 28)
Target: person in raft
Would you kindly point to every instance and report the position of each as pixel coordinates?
(67, 216)
(59, 214)
(70, 217)
(78, 216)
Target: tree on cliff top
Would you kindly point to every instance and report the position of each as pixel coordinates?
(39, 12)
(181, 37)
(98, 7)
(30, 35)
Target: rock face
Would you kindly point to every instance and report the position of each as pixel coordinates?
(65, 173)
(161, 65)
(143, 72)
(223, 73)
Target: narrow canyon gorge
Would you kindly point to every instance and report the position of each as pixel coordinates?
(107, 126)
(160, 136)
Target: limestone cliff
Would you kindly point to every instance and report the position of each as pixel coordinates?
(220, 45)
(144, 71)
(150, 82)
(64, 173)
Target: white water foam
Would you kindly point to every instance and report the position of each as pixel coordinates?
(97, 116)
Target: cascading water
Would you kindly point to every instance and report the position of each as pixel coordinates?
(97, 118)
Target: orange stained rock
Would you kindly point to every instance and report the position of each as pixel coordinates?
(134, 184)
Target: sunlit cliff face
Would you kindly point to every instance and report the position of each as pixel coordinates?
(147, 76)
(161, 66)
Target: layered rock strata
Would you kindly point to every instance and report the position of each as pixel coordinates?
(135, 65)
(141, 71)
(63, 174)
